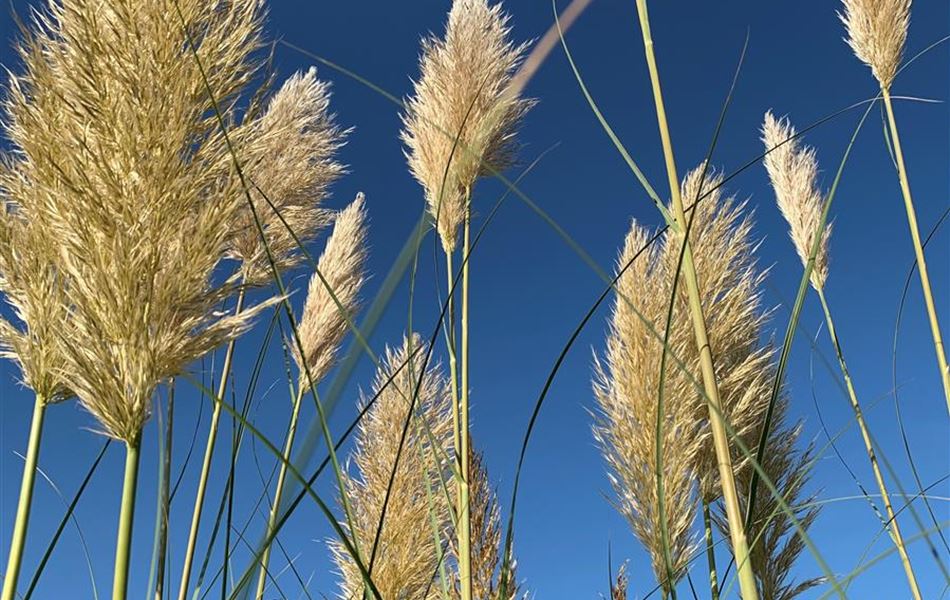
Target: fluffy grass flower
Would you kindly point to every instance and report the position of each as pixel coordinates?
(877, 31)
(332, 299)
(793, 172)
(627, 379)
(333, 294)
(288, 153)
(407, 555)
(33, 290)
(115, 123)
(463, 92)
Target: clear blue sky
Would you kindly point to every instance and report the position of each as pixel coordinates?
(530, 290)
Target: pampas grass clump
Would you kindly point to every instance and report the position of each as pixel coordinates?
(877, 31)
(118, 153)
(628, 379)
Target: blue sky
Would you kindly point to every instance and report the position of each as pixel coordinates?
(530, 290)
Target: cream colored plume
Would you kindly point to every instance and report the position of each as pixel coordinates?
(877, 31)
(408, 554)
(288, 154)
(31, 287)
(461, 120)
(627, 378)
(793, 171)
(117, 150)
(334, 298)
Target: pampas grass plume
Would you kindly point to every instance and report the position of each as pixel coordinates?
(793, 172)
(877, 31)
(463, 92)
(335, 297)
(289, 155)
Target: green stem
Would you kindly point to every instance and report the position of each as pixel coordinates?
(740, 545)
(123, 544)
(892, 525)
(918, 249)
(278, 493)
(464, 514)
(710, 553)
(26, 500)
(453, 367)
(206, 462)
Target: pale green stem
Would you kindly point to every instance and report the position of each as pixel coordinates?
(26, 500)
(278, 492)
(740, 545)
(464, 514)
(918, 249)
(206, 462)
(710, 553)
(453, 365)
(892, 525)
(123, 544)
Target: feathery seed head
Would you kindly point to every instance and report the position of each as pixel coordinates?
(30, 285)
(627, 379)
(877, 31)
(463, 92)
(117, 151)
(288, 154)
(793, 171)
(408, 554)
(323, 324)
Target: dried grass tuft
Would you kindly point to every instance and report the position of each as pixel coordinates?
(32, 288)
(407, 554)
(627, 379)
(116, 149)
(323, 324)
(288, 154)
(464, 91)
(877, 31)
(793, 171)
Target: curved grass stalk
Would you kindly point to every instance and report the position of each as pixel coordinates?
(918, 248)
(308, 489)
(70, 507)
(278, 492)
(206, 462)
(18, 542)
(893, 527)
(740, 544)
(123, 545)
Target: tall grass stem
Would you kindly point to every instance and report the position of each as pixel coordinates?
(892, 525)
(278, 492)
(123, 544)
(206, 462)
(18, 542)
(464, 513)
(710, 553)
(918, 247)
(740, 545)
